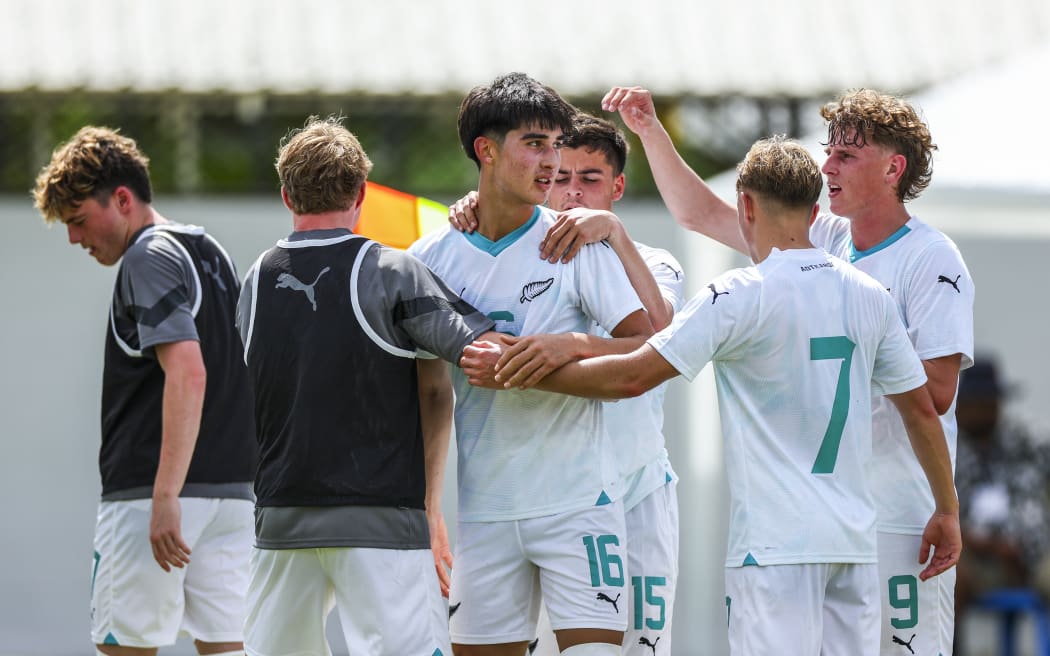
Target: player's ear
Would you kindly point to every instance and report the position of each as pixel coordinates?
(287, 201)
(122, 197)
(618, 187)
(360, 195)
(485, 149)
(895, 168)
(746, 206)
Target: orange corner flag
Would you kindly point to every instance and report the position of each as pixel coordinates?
(397, 219)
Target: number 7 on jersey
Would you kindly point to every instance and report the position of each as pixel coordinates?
(833, 348)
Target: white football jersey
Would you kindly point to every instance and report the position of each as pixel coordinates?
(800, 342)
(530, 453)
(635, 426)
(934, 294)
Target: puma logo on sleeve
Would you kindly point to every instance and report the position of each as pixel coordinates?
(716, 293)
(953, 283)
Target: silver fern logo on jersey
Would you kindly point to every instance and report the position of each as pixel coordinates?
(533, 289)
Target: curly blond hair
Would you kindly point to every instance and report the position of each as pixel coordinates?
(92, 164)
(782, 170)
(864, 115)
(322, 166)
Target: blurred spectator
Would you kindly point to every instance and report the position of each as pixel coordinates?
(1002, 477)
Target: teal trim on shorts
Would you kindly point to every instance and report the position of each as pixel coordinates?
(603, 499)
(749, 560)
(494, 248)
(110, 640)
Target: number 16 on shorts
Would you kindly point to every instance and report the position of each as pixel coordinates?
(606, 566)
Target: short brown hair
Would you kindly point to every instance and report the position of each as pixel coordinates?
(863, 115)
(598, 134)
(92, 164)
(781, 170)
(322, 166)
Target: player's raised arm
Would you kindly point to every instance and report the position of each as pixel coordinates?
(691, 201)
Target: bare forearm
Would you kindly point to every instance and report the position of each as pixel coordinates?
(613, 376)
(642, 280)
(435, 409)
(183, 401)
(692, 203)
(606, 377)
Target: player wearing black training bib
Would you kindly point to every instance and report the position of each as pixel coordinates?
(175, 282)
(331, 323)
(178, 449)
(353, 419)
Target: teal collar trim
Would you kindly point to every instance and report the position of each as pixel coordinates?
(855, 255)
(494, 248)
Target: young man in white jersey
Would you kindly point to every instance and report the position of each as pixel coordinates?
(800, 342)
(540, 508)
(591, 176)
(879, 156)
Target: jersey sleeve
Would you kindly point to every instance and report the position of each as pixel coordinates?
(606, 295)
(670, 277)
(897, 368)
(159, 285)
(832, 233)
(709, 326)
(420, 305)
(940, 304)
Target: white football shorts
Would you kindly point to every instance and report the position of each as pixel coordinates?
(389, 602)
(135, 603)
(819, 609)
(915, 614)
(652, 550)
(575, 561)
